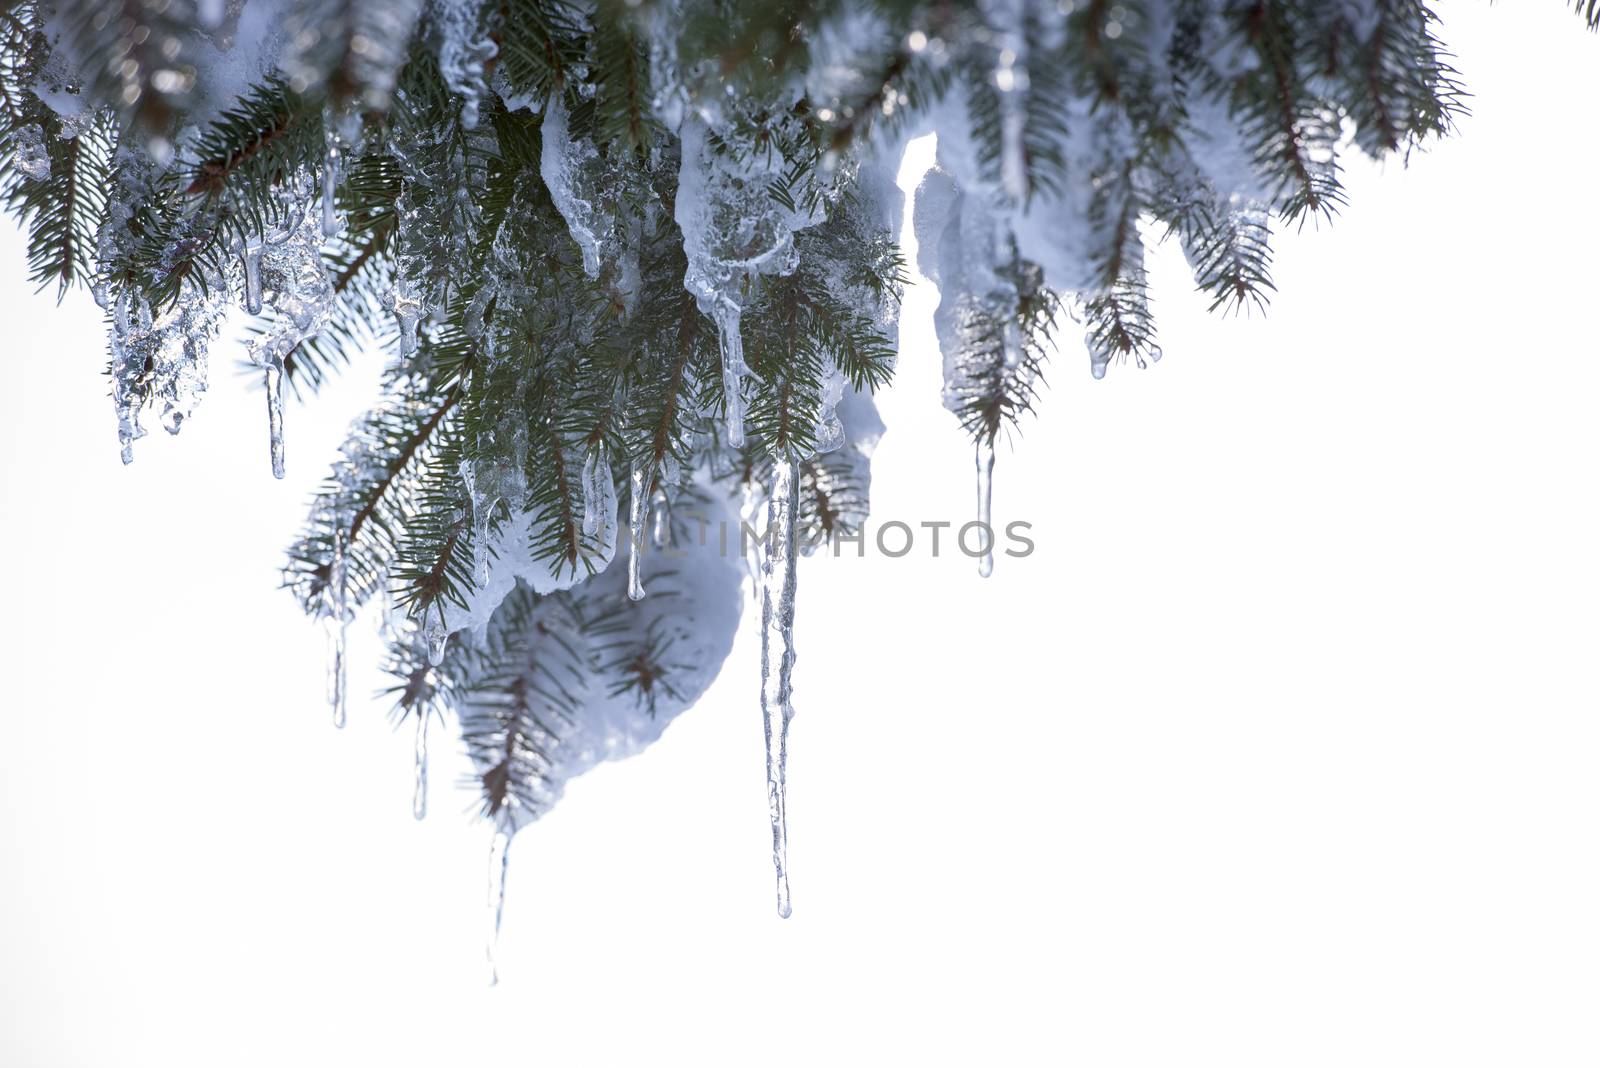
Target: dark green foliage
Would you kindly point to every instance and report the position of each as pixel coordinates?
(539, 365)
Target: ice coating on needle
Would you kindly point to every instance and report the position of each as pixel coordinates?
(574, 174)
(29, 154)
(498, 475)
(160, 360)
(606, 721)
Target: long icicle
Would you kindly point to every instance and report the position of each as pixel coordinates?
(274, 381)
(777, 657)
(734, 368)
(338, 573)
(985, 460)
(499, 861)
(419, 789)
(638, 511)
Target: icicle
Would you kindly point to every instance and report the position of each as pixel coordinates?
(482, 507)
(338, 621)
(499, 861)
(437, 637)
(252, 274)
(638, 508)
(733, 369)
(419, 791)
(985, 458)
(661, 520)
(331, 223)
(777, 657)
(408, 313)
(591, 495)
(274, 382)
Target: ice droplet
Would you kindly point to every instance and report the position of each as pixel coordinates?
(499, 862)
(985, 463)
(419, 789)
(273, 374)
(252, 274)
(777, 658)
(638, 509)
(338, 621)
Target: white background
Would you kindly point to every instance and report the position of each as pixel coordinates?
(1281, 750)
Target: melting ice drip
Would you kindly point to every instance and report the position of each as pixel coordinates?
(777, 657)
(419, 790)
(499, 862)
(985, 464)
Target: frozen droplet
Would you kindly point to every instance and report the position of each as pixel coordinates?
(985, 463)
(638, 510)
(777, 658)
(419, 788)
(499, 863)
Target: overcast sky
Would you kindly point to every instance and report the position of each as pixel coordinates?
(1280, 750)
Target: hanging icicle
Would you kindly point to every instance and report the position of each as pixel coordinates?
(338, 621)
(638, 512)
(661, 520)
(777, 657)
(437, 636)
(419, 789)
(734, 369)
(985, 463)
(499, 862)
(597, 490)
(331, 223)
(273, 374)
(252, 273)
